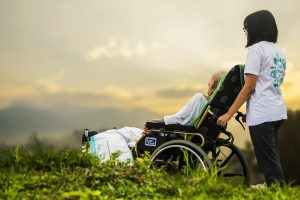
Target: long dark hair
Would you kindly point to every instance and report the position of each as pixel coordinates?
(261, 26)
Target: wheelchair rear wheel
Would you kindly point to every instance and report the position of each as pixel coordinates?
(180, 156)
(233, 166)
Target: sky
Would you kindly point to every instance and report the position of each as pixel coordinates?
(130, 54)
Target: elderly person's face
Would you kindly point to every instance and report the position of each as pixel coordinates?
(213, 82)
(210, 86)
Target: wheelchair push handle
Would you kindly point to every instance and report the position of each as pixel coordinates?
(216, 118)
(238, 117)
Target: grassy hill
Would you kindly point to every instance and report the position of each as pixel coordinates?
(36, 171)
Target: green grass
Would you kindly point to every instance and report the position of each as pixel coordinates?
(36, 171)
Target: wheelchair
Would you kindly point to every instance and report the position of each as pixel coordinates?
(181, 148)
(204, 144)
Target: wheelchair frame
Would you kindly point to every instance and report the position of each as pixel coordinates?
(206, 150)
(205, 138)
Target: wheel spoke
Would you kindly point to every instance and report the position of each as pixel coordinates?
(234, 167)
(226, 160)
(182, 155)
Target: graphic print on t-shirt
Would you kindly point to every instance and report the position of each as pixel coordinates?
(278, 71)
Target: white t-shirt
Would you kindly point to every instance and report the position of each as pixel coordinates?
(188, 112)
(267, 61)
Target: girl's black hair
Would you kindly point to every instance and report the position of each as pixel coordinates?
(260, 26)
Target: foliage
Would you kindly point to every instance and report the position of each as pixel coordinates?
(36, 171)
(289, 146)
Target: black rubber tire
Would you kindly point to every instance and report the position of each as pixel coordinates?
(243, 163)
(192, 148)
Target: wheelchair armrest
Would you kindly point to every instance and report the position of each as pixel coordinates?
(170, 127)
(151, 124)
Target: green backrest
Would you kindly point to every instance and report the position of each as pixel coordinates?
(202, 110)
(225, 93)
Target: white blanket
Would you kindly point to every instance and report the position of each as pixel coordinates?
(115, 140)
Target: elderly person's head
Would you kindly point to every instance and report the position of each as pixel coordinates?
(215, 79)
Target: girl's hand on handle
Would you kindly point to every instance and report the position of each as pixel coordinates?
(243, 96)
(222, 120)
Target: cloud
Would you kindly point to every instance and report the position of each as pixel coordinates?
(119, 92)
(45, 93)
(40, 86)
(48, 92)
(48, 86)
(177, 92)
(125, 49)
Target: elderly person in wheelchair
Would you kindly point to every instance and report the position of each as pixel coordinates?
(190, 138)
(184, 116)
(187, 114)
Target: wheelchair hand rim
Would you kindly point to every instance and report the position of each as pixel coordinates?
(184, 147)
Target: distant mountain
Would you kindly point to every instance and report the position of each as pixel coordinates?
(23, 119)
(63, 124)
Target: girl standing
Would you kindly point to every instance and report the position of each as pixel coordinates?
(266, 110)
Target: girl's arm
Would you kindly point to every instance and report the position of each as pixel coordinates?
(247, 90)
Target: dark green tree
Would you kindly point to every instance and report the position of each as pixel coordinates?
(289, 146)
